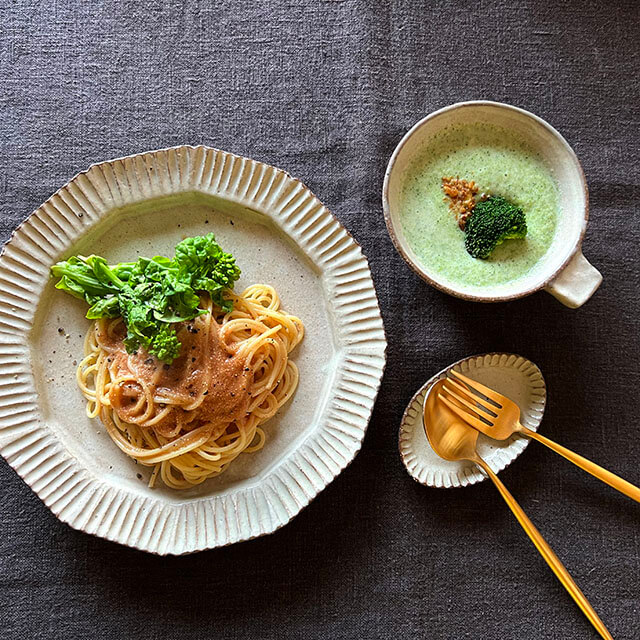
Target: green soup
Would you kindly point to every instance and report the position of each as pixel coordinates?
(501, 164)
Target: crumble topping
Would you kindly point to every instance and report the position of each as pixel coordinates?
(461, 196)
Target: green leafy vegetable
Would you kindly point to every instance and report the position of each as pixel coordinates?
(153, 294)
(492, 222)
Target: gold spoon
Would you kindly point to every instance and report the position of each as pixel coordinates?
(454, 440)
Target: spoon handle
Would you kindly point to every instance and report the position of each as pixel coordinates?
(547, 552)
(590, 467)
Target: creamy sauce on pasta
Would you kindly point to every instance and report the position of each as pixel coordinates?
(207, 383)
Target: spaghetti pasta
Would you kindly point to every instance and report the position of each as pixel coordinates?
(190, 419)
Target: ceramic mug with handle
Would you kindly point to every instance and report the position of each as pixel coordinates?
(564, 271)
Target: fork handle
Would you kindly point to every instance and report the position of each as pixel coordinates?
(547, 552)
(590, 467)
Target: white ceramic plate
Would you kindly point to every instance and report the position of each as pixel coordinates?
(512, 375)
(281, 234)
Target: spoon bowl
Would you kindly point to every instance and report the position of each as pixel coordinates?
(450, 438)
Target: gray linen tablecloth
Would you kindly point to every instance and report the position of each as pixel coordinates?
(325, 90)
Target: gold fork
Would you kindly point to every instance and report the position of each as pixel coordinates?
(499, 418)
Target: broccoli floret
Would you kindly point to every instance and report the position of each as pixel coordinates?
(493, 221)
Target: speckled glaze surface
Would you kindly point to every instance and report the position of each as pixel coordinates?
(281, 234)
(510, 374)
(563, 263)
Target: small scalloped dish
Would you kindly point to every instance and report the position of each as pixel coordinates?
(513, 376)
(280, 234)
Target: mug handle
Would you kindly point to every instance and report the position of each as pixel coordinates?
(576, 283)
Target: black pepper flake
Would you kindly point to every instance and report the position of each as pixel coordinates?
(193, 346)
(246, 369)
(149, 361)
(205, 393)
(60, 330)
(192, 394)
(233, 395)
(193, 359)
(206, 222)
(139, 476)
(108, 359)
(231, 222)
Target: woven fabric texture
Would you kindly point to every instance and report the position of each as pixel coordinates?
(325, 90)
